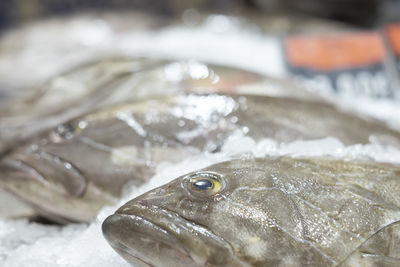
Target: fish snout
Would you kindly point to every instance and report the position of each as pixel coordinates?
(28, 170)
(143, 243)
(159, 237)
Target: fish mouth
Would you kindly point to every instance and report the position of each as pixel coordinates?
(148, 235)
(142, 242)
(19, 169)
(43, 183)
(43, 169)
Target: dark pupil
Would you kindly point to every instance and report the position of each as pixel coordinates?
(65, 130)
(202, 184)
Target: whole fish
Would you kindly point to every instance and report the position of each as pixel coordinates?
(106, 81)
(265, 212)
(71, 172)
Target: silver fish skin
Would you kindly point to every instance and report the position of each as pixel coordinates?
(85, 87)
(104, 150)
(109, 80)
(277, 211)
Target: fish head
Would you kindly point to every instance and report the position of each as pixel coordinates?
(112, 147)
(252, 212)
(183, 222)
(68, 175)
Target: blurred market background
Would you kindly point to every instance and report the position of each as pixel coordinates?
(341, 46)
(359, 12)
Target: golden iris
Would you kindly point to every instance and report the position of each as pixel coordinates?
(204, 183)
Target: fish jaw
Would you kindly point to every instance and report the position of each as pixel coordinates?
(46, 169)
(52, 187)
(153, 236)
(141, 242)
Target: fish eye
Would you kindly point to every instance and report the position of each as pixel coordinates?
(204, 183)
(65, 130)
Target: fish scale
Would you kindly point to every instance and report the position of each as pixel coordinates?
(125, 143)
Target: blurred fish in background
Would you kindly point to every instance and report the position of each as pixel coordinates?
(318, 59)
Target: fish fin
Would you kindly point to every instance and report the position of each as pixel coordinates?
(381, 249)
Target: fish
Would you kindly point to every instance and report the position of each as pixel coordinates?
(79, 75)
(110, 80)
(76, 168)
(83, 88)
(273, 211)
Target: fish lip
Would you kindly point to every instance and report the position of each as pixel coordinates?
(193, 244)
(19, 162)
(153, 211)
(20, 165)
(72, 168)
(124, 247)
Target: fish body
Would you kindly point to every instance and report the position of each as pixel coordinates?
(117, 79)
(278, 211)
(77, 76)
(95, 155)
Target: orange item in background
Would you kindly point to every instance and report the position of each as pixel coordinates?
(393, 33)
(335, 51)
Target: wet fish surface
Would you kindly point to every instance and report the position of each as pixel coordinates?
(71, 172)
(106, 81)
(278, 211)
